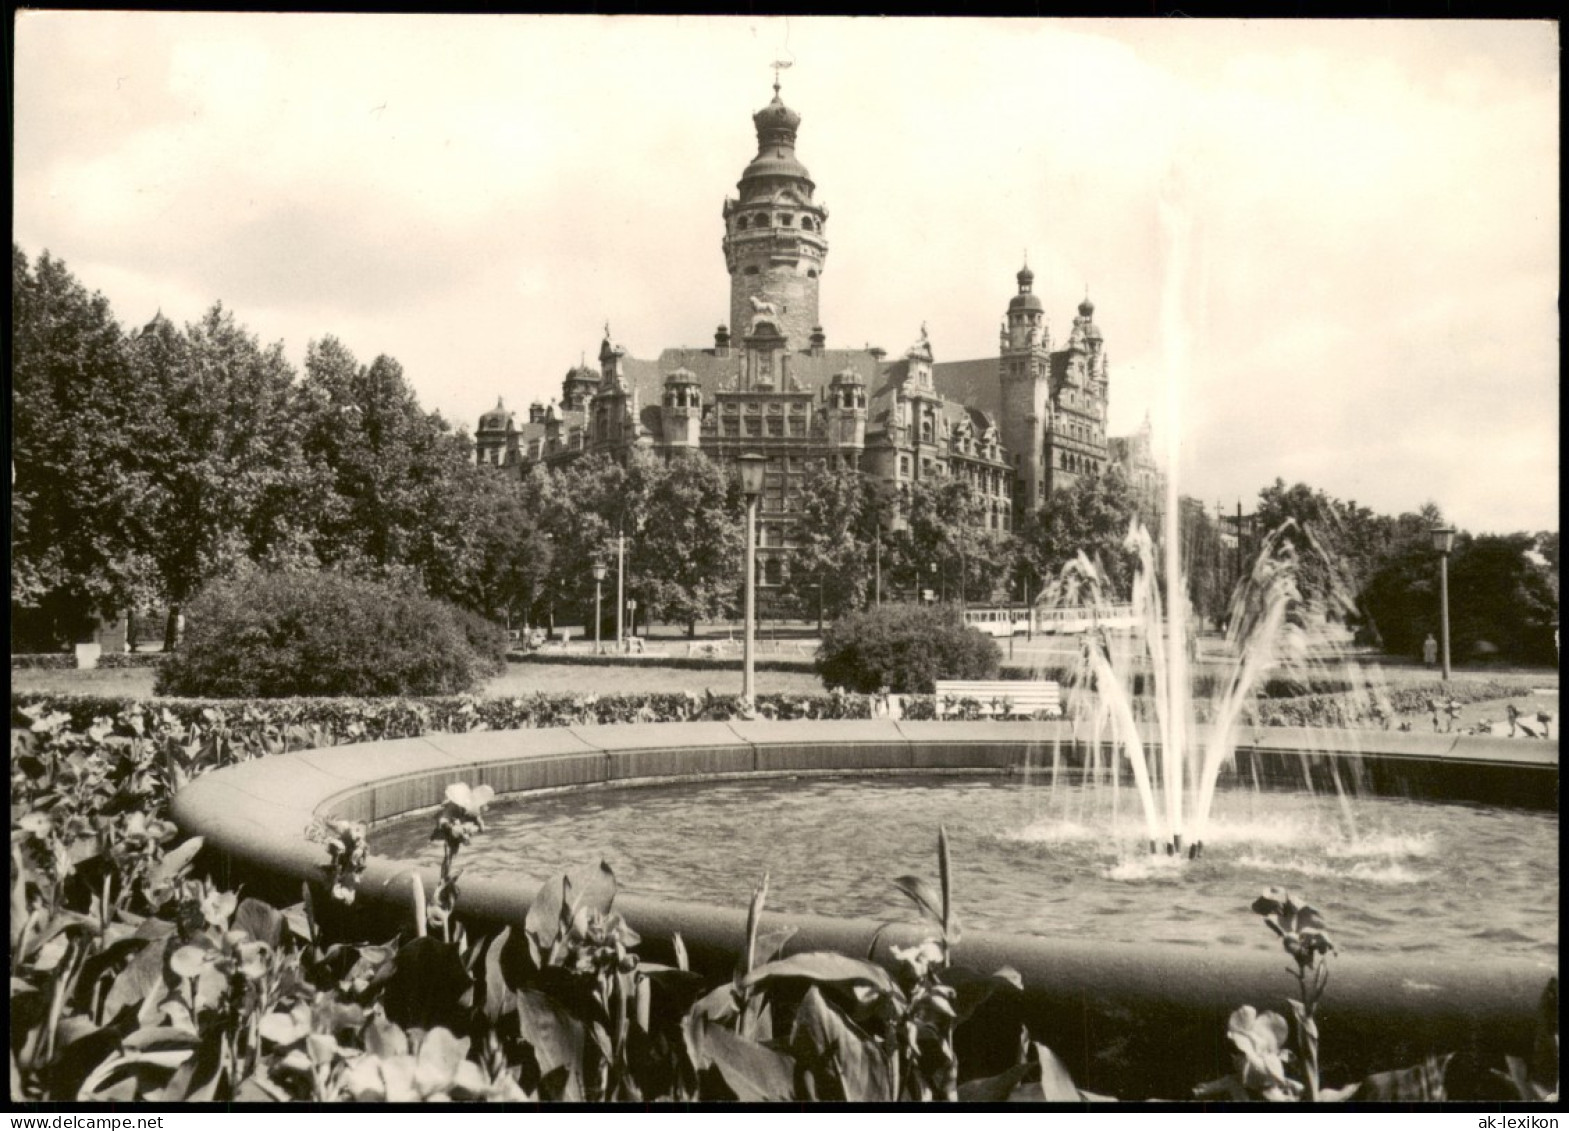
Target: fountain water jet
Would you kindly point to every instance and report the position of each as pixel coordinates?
(1176, 791)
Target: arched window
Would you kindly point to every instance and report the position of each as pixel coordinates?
(811, 272)
(740, 223)
(786, 221)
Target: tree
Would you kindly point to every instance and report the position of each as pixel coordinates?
(1205, 563)
(578, 508)
(403, 496)
(229, 481)
(830, 566)
(690, 547)
(514, 555)
(81, 517)
(1501, 600)
(1093, 517)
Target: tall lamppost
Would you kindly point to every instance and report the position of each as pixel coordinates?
(877, 565)
(599, 577)
(752, 466)
(621, 574)
(1444, 543)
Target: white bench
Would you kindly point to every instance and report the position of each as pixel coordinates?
(1003, 697)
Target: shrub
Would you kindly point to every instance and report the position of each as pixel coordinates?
(486, 639)
(904, 648)
(284, 634)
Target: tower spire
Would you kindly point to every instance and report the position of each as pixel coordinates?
(778, 65)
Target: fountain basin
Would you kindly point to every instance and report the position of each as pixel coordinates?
(1135, 1020)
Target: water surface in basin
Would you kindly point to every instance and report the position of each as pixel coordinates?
(1390, 875)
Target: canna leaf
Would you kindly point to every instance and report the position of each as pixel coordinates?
(945, 878)
(823, 966)
(822, 1038)
(994, 1089)
(754, 1072)
(556, 1036)
(1056, 1084)
(925, 897)
(174, 864)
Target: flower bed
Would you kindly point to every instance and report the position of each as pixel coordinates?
(136, 978)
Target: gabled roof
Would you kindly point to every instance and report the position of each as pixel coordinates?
(970, 382)
(712, 372)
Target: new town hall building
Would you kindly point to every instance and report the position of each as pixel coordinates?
(1015, 427)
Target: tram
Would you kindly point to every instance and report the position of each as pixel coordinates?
(1004, 622)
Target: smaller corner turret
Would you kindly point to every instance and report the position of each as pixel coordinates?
(846, 410)
(681, 413)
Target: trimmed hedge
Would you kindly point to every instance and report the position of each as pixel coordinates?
(133, 659)
(1204, 684)
(332, 721)
(42, 661)
(269, 725)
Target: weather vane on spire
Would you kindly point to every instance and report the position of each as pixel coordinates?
(778, 65)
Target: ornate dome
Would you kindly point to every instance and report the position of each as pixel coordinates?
(681, 376)
(776, 125)
(775, 116)
(1026, 299)
(496, 420)
(1087, 314)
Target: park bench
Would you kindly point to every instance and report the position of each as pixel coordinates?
(1003, 697)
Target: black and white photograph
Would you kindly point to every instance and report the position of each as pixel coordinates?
(661, 562)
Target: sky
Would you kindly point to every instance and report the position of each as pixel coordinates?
(1320, 251)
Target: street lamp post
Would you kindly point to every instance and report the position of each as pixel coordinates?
(599, 577)
(877, 565)
(752, 466)
(621, 574)
(1444, 543)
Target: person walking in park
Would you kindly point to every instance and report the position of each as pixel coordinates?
(1430, 650)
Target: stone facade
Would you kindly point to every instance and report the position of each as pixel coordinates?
(1015, 427)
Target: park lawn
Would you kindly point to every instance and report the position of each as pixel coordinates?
(634, 677)
(518, 679)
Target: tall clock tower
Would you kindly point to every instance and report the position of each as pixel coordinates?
(774, 236)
